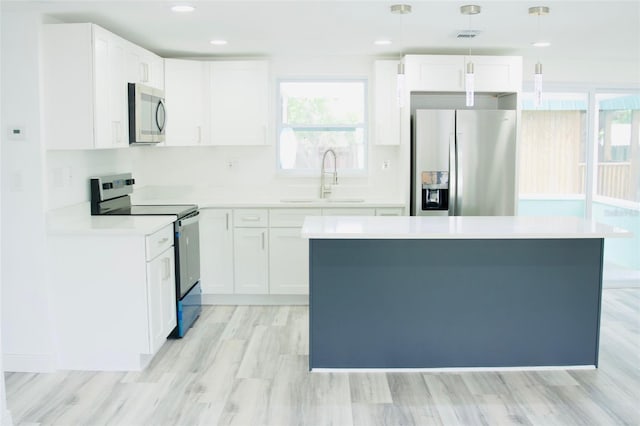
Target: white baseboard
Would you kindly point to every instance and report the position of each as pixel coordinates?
(255, 299)
(25, 363)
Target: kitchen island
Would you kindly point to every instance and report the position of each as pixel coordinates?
(454, 292)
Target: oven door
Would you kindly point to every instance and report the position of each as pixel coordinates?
(188, 254)
(147, 114)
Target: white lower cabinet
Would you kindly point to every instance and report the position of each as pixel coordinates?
(288, 251)
(254, 251)
(288, 262)
(113, 298)
(161, 288)
(251, 251)
(251, 260)
(216, 251)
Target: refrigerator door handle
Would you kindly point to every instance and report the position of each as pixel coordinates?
(453, 174)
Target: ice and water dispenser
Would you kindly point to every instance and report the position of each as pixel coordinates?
(435, 190)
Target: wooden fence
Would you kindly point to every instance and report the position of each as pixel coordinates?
(552, 159)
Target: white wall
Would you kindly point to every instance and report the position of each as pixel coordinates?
(68, 172)
(254, 168)
(26, 335)
(5, 415)
(573, 71)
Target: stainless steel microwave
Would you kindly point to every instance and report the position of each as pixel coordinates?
(147, 114)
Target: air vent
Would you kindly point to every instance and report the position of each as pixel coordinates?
(467, 33)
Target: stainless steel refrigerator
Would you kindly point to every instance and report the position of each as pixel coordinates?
(463, 163)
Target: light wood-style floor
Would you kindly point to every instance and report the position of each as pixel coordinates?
(244, 365)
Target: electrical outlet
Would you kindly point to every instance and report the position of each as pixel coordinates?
(232, 164)
(386, 164)
(16, 133)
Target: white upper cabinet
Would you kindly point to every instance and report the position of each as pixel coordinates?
(85, 71)
(187, 97)
(445, 73)
(239, 99)
(386, 107)
(144, 67)
(84, 90)
(498, 73)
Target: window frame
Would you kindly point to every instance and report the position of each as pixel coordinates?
(592, 90)
(364, 126)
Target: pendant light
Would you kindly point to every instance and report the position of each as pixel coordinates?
(469, 76)
(537, 76)
(400, 9)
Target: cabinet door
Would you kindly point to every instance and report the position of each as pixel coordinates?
(251, 269)
(239, 102)
(387, 110)
(437, 73)
(71, 80)
(102, 120)
(498, 73)
(161, 291)
(144, 67)
(288, 262)
(110, 90)
(118, 96)
(186, 93)
(216, 251)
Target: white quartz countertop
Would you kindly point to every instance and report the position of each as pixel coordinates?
(460, 227)
(108, 225)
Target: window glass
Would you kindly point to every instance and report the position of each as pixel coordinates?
(552, 153)
(318, 115)
(618, 139)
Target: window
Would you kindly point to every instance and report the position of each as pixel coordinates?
(618, 139)
(553, 155)
(317, 115)
(580, 156)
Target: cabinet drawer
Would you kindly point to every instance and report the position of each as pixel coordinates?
(250, 218)
(289, 218)
(158, 242)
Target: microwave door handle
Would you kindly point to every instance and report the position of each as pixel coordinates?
(161, 121)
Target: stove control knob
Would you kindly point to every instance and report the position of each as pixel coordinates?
(107, 185)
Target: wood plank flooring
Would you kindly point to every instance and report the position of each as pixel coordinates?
(247, 365)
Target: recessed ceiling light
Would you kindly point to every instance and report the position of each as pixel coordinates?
(541, 43)
(382, 42)
(218, 42)
(183, 8)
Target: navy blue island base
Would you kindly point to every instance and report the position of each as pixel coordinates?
(454, 303)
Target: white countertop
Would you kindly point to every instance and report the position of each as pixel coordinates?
(78, 221)
(459, 227)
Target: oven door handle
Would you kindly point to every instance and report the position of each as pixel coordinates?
(189, 220)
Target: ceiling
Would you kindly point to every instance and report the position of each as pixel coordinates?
(582, 30)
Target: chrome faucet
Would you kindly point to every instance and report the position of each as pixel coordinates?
(325, 189)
